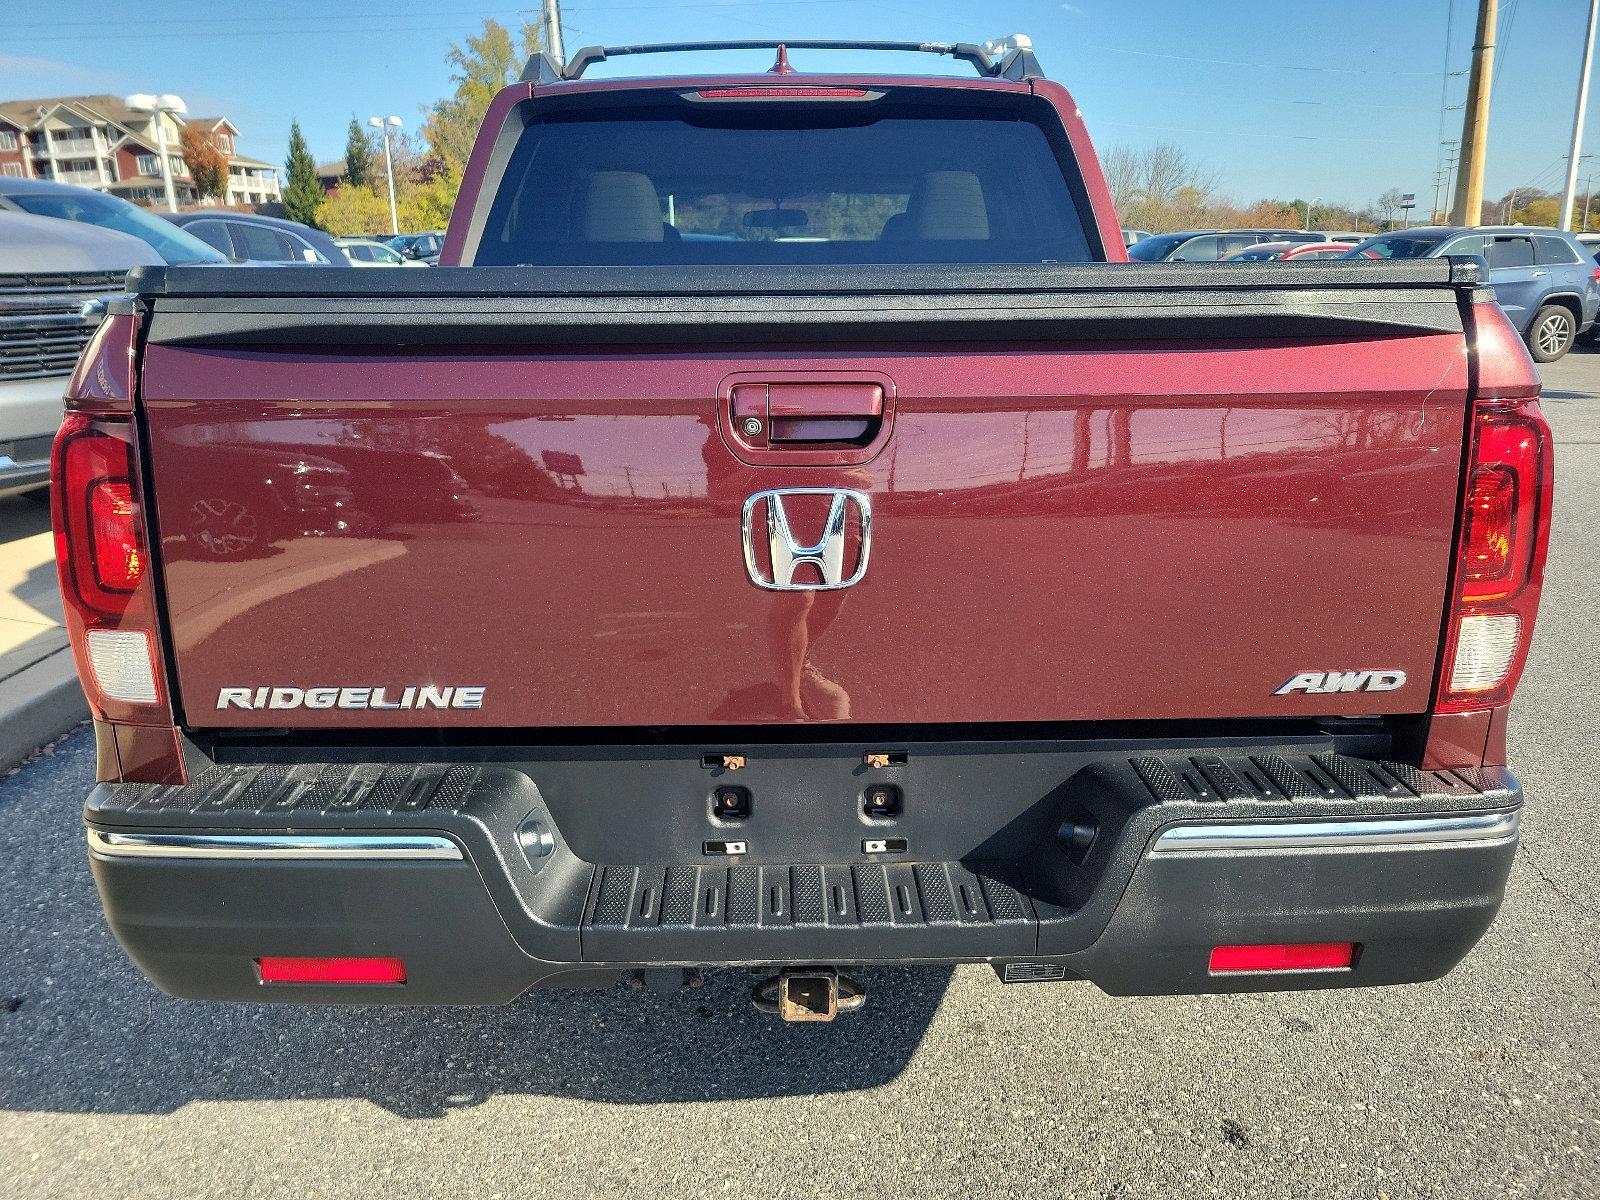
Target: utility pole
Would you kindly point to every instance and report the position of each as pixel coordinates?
(552, 30)
(1577, 119)
(1588, 193)
(1468, 208)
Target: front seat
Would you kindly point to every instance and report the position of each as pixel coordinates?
(947, 206)
(622, 206)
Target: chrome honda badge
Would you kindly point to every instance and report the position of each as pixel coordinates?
(787, 555)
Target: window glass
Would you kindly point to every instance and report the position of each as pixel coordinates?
(1511, 252)
(783, 185)
(212, 233)
(1200, 249)
(95, 208)
(1553, 250)
(1472, 244)
(260, 244)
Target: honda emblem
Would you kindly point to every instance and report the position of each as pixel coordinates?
(787, 554)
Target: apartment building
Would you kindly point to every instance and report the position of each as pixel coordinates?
(98, 142)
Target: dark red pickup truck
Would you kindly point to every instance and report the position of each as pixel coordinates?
(787, 534)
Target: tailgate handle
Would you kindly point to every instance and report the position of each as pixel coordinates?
(808, 413)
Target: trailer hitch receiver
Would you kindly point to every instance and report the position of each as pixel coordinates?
(808, 994)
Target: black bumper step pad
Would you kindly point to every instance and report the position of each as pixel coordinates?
(295, 795)
(831, 913)
(1274, 778)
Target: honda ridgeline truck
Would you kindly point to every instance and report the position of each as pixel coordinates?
(786, 533)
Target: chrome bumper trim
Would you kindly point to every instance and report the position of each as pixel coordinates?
(278, 846)
(1345, 835)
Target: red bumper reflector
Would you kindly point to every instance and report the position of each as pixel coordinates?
(1299, 956)
(332, 970)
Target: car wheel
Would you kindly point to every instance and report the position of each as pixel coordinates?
(1552, 333)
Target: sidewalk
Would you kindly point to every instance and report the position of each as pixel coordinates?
(39, 694)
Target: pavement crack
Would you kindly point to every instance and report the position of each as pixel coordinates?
(1576, 902)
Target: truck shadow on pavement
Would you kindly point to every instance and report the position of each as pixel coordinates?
(82, 1032)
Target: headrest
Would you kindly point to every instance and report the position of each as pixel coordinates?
(950, 207)
(622, 207)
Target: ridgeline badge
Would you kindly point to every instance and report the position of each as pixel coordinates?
(419, 697)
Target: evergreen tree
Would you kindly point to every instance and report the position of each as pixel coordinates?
(302, 193)
(357, 156)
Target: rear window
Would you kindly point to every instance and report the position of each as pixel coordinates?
(783, 184)
(1552, 250)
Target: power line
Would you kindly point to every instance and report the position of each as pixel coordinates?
(1231, 62)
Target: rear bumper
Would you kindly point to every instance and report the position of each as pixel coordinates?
(467, 875)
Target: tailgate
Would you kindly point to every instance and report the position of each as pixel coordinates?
(1084, 528)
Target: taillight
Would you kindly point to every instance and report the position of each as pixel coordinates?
(102, 560)
(1505, 527)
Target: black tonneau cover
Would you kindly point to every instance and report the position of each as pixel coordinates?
(305, 306)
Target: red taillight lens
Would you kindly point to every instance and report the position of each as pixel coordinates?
(115, 542)
(1487, 536)
(100, 548)
(331, 970)
(1283, 958)
(1502, 504)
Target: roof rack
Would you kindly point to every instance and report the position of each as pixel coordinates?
(1010, 58)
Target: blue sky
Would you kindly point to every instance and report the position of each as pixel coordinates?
(1332, 101)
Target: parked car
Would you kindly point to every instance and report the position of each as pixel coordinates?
(1349, 238)
(1547, 281)
(369, 252)
(593, 676)
(250, 237)
(1288, 251)
(1209, 245)
(1130, 236)
(49, 269)
(63, 201)
(423, 247)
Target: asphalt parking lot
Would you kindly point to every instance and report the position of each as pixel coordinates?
(1486, 1083)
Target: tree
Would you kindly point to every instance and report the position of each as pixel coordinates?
(1386, 205)
(302, 193)
(486, 63)
(357, 156)
(1158, 187)
(352, 211)
(208, 165)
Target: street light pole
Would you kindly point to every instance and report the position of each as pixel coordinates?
(1570, 193)
(1315, 200)
(388, 166)
(158, 107)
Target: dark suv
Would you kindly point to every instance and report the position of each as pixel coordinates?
(1546, 280)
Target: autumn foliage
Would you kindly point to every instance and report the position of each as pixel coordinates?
(208, 165)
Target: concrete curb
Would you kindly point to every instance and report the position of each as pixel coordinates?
(39, 704)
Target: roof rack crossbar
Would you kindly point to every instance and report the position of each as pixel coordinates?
(1014, 65)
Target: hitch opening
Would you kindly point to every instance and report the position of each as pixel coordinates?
(808, 994)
